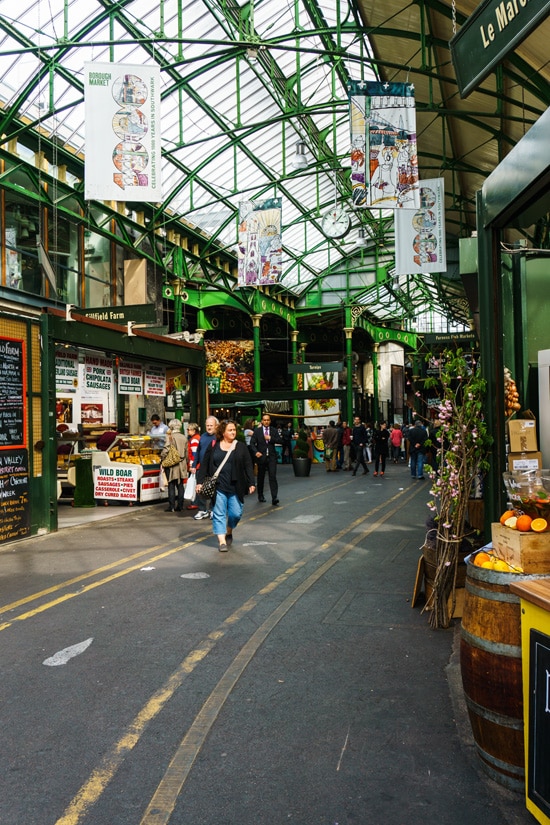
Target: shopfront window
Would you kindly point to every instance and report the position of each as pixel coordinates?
(63, 254)
(21, 227)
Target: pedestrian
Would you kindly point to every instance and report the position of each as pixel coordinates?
(287, 443)
(396, 436)
(193, 438)
(263, 443)
(417, 437)
(158, 430)
(380, 446)
(368, 443)
(359, 441)
(330, 441)
(340, 447)
(205, 440)
(235, 480)
(178, 472)
(346, 445)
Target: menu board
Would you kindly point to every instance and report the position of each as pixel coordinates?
(14, 495)
(538, 789)
(12, 393)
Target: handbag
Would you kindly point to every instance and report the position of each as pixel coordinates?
(209, 482)
(171, 458)
(190, 488)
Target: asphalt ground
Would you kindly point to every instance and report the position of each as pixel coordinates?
(147, 679)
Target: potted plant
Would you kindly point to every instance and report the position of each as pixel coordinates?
(301, 461)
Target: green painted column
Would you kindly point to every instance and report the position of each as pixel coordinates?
(348, 412)
(257, 364)
(295, 404)
(375, 387)
(492, 360)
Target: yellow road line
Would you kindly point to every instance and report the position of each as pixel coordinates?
(100, 778)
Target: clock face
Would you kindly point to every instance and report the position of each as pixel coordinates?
(336, 222)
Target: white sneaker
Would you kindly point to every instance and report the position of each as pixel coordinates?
(201, 514)
(211, 514)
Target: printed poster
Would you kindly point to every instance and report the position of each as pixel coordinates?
(260, 250)
(130, 378)
(66, 370)
(384, 156)
(420, 236)
(98, 373)
(319, 411)
(123, 147)
(229, 366)
(154, 380)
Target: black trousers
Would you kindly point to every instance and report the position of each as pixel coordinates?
(269, 465)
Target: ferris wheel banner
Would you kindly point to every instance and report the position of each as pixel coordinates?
(260, 252)
(384, 156)
(122, 109)
(420, 235)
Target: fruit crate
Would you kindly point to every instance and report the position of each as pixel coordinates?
(530, 551)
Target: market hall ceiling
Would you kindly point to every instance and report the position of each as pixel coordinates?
(241, 85)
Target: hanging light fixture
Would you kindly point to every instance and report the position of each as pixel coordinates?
(300, 161)
(361, 237)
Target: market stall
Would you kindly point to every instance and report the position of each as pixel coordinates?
(129, 471)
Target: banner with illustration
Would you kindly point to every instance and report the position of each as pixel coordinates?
(122, 111)
(319, 411)
(420, 236)
(383, 131)
(260, 251)
(229, 366)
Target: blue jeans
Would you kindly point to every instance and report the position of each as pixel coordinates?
(227, 512)
(417, 464)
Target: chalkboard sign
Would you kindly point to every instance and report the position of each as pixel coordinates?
(14, 495)
(12, 393)
(539, 721)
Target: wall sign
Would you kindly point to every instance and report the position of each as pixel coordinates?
(15, 521)
(12, 393)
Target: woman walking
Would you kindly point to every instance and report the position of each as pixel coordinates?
(235, 480)
(178, 472)
(381, 439)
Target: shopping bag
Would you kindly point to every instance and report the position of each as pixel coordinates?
(190, 488)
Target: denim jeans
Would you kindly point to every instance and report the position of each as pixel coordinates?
(417, 464)
(227, 512)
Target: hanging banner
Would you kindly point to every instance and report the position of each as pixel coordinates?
(383, 128)
(319, 411)
(130, 378)
(98, 373)
(260, 251)
(122, 110)
(154, 380)
(420, 236)
(66, 370)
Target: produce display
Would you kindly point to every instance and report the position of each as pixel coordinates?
(511, 394)
(233, 363)
(489, 561)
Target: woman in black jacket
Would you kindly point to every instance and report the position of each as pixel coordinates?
(235, 480)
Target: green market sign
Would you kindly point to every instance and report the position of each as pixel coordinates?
(327, 366)
(140, 313)
(490, 33)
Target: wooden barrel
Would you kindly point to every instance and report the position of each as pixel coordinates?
(490, 662)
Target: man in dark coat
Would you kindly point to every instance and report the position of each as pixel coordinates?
(359, 438)
(417, 437)
(262, 446)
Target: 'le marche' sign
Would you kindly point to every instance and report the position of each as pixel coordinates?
(494, 29)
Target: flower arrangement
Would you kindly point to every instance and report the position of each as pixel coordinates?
(461, 443)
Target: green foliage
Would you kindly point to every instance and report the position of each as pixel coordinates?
(301, 448)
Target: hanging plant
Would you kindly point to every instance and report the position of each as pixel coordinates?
(461, 443)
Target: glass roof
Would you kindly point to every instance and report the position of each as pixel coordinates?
(242, 83)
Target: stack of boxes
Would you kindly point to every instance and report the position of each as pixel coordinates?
(523, 449)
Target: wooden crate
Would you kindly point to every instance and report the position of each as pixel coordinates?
(530, 551)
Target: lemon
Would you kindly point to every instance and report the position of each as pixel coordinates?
(512, 522)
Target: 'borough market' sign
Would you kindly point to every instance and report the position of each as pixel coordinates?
(494, 29)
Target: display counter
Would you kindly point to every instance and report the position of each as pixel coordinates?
(129, 471)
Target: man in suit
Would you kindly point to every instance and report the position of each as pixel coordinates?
(262, 445)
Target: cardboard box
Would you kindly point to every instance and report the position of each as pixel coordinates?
(531, 550)
(522, 434)
(522, 462)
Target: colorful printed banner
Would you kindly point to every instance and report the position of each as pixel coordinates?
(229, 366)
(383, 128)
(420, 235)
(122, 102)
(260, 252)
(319, 411)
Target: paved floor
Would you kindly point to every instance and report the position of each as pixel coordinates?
(148, 679)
